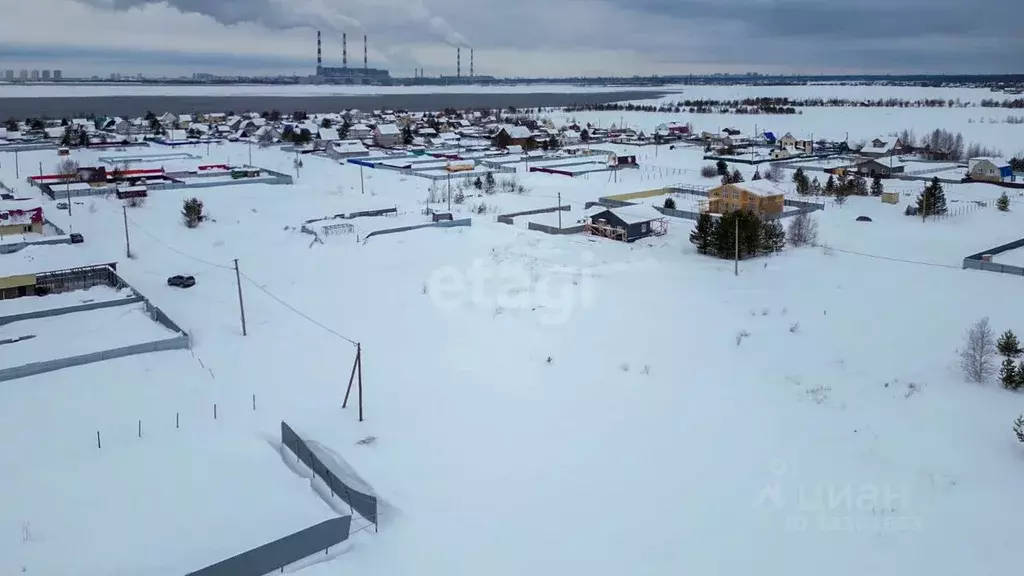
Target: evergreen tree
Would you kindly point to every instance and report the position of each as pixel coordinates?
(803, 185)
(1008, 375)
(407, 136)
(1003, 203)
(192, 212)
(489, 183)
(773, 237)
(841, 194)
(345, 125)
(756, 176)
(1018, 428)
(751, 237)
(830, 185)
(815, 188)
(736, 176)
(722, 167)
(932, 200)
(876, 186)
(326, 123)
(1008, 344)
(723, 238)
(585, 135)
(478, 183)
(703, 233)
(859, 185)
(670, 203)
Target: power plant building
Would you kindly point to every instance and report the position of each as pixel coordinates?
(344, 74)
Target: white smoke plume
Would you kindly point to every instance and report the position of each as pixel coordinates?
(273, 14)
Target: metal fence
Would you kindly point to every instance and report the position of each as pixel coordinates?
(442, 224)
(555, 229)
(275, 555)
(364, 504)
(975, 262)
(509, 218)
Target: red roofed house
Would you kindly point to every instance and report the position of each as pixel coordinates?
(20, 217)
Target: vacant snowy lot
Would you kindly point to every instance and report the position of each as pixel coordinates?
(78, 333)
(538, 404)
(63, 300)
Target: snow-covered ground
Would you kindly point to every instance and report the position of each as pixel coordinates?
(63, 300)
(1013, 257)
(78, 333)
(540, 404)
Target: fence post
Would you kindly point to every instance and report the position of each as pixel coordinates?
(215, 411)
(98, 443)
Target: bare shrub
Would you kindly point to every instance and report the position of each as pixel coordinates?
(133, 202)
(433, 194)
(803, 230)
(709, 171)
(740, 336)
(775, 173)
(794, 327)
(976, 358)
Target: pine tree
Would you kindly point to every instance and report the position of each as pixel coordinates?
(1020, 376)
(1008, 344)
(815, 188)
(1008, 374)
(1018, 428)
(756, 176)
(407, 136)
(722, 167)
(723, 238)
(876, 186)
(830, 185)
(932, 200)
(1003, 203)
(489, 183)
(751, 237)
(670, 203)
(736, 176)
(478, 183)
(703, 232)
(192, 212)
(859, 185)
(773, 237)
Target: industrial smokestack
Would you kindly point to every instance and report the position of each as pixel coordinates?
(471, 63)
(365, 60)
(319, 51)
(458, 62)
(344, 50)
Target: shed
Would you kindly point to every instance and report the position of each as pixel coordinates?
(890, 197)
(883, 167)
(626, 224)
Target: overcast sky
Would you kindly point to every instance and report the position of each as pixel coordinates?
(516, 37)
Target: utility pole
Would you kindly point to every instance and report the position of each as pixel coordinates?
(40, 168)
(559, 210)
(241, 305)
(362, 186)
(17, 165)
(736, 263)
(127, 240)
(449, 192)
(250, 154)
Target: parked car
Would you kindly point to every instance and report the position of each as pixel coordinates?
(62, 205)
(76, 238)
(181, 281)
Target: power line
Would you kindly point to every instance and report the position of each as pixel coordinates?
(172, 248)
(293, 309)
(889, 258)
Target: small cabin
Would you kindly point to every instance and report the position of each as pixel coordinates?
(626, 224)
